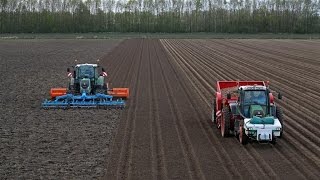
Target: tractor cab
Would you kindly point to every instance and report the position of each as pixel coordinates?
(86, 78)
(254, 101)
(86, 71)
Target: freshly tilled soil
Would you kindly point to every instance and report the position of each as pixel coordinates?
(50, 144)
(166, 132)
(56, 144)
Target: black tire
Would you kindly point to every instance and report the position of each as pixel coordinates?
(274, 140)
(71, 90)
(225, 122)
(100, 91)
(213, 114)
(243, 138)
(279, 115)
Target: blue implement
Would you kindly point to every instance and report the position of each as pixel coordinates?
(83, 101)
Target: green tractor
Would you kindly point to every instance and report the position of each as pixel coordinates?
(247, 111)
(87, 88)
(86, 78)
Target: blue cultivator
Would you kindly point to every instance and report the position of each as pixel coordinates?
(83, 101)
(87, 89)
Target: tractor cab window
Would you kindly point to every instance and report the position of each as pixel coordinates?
(86, 72)
(255, 97)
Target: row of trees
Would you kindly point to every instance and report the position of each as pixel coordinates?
(218, 16)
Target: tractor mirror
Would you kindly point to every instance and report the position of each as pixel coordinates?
(279, 96)
(103, 70)
(228, 96)
(68, 69)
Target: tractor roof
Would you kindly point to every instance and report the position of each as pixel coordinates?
(254, 87)
(86, 64)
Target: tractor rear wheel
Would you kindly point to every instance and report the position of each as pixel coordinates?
(71, 90)
(243, 138)
(225, 122)
(100, 91)
(279, 115)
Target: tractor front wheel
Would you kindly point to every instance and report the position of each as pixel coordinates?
(279, 115)
(243, 138)
(274, 139)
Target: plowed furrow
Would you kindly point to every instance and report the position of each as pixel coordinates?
(119, 163)
(226, 152)
(292, 47)
(141, 150)
(283, 156)
(306, 63)
(202, 118)
(194, 170)
(306, 113)
(166, 131)
(266, 168)
(259, 64)
(159, 166)
(305, 131)
(117, 61)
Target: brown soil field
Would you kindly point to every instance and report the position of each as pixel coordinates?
(49, 144)
(165, 132)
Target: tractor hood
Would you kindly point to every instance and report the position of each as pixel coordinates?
(264, 120)
(263, 128)
(262, 123)
(256, 110)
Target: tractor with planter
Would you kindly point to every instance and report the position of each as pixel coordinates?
(247, 110)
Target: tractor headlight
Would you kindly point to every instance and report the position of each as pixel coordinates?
(278, 128)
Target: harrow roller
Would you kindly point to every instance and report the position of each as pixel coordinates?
(83, 101)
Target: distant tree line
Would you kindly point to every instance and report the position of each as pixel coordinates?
(170, 16)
